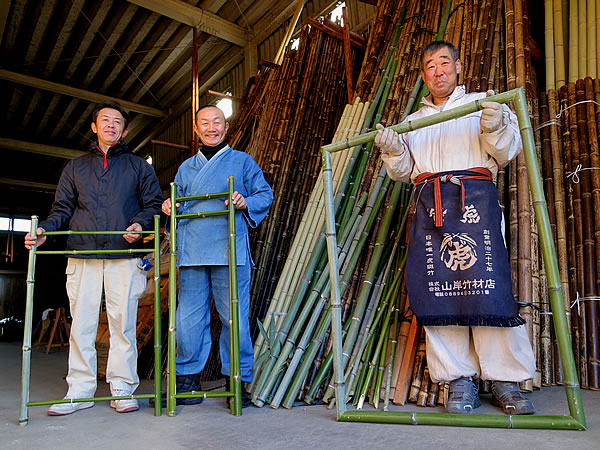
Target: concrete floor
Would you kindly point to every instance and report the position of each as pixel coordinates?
(210, 426)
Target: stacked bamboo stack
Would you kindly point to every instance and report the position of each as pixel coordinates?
(289, 113)
(572, 39)
(293, 355)
(493, 37)
(570, 143)
(571, 168)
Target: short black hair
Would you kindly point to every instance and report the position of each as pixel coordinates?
(208, 106)
(437, 45)
(112, 105)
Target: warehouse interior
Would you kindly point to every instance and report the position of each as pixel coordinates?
(293, 76)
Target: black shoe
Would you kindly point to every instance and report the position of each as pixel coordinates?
(246, 401)
(462, 396)
(508, 396)
(183, 383)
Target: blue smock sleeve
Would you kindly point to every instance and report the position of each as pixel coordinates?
(261, 195)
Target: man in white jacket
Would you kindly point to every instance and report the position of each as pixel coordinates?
(456, 247)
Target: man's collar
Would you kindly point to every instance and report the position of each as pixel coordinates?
(458, 92)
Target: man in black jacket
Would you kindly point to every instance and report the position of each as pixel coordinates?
(107, 189)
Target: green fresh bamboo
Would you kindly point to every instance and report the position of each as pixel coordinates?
(390, 365)
(380, 343)
(366, 224)
(304, 286)
(311, 306)
(172, 345)
(157, 320)
(235, 374)
(71, 232)
(26, 359)
(235, 377)
(363, 295)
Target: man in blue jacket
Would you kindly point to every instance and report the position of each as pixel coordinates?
(107, 189)
(202, 250)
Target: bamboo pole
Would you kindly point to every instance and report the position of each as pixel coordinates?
(289, 31)
(592, 44)
(559, 199)
(592, 259)
(559, 41)
(581, 39)
(582, 250)
(597, 37)
(573, 42)
(549, 44)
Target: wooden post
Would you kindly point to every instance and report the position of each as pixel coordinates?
(195, 87)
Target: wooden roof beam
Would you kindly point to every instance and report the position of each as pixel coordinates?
(195, 17)
(31, 184)
(42, 149)
(77, 93)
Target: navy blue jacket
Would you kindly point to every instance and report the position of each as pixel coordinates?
(90, 197)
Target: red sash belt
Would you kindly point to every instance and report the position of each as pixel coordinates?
(479, 173)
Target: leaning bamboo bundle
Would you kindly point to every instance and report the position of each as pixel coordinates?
(297, 260)
(299, 105)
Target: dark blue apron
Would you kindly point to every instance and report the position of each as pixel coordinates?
(458, 271)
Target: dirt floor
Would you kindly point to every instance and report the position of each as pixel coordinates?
(210, 425)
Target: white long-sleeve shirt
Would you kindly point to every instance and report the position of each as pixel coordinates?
(456, 144)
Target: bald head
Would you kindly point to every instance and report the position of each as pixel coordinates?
(211, 126)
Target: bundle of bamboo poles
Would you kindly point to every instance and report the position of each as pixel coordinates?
(572, 37)
(293, 357)
(383, 346)
(289, 113)
(570, 141)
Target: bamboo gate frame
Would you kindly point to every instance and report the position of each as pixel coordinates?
(234, 332)
(27, 333)
(576, 419)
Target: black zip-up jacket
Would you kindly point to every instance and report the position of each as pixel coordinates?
(92, 198)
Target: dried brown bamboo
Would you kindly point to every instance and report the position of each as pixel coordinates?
(571, 150)
(424, 390)
(408, 361)
(418, 369)
(434, 391)
(588, 142)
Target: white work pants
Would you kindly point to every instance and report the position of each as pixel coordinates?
(123, 283)
(492, 353)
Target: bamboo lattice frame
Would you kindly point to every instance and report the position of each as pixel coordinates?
(234, 332)
(576, 419)
(27, 333)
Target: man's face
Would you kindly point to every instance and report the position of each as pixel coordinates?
(211, 126)
(109, 127)
(440, 74)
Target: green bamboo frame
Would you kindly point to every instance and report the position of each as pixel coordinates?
(235, 377)
(576, 419)
(27, 333)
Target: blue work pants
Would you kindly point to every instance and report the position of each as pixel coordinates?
(196, 284)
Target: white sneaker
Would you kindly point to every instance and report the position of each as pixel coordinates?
(62, 409)
(123, 406)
